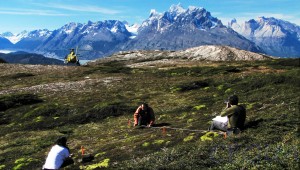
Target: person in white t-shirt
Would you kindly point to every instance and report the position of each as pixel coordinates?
(59, 155)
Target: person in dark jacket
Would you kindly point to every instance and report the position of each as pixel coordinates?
(144, 115)
(236, 116)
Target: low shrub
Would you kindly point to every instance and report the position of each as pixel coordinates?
(15, 100)
(192, 86)
(18, 75)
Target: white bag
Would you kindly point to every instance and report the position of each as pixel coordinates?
(221, 122)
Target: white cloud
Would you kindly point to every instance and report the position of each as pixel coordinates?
(16, 11)
(81, 8)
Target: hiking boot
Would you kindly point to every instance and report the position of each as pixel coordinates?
(232, 131)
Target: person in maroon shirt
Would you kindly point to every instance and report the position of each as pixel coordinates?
(144, 115)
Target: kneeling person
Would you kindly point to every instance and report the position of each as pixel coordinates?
(144, 115)
(59, 155)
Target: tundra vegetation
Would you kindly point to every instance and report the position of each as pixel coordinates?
(91, 106)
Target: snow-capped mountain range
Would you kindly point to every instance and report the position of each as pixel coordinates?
(181, 28)
(24, 34)
(276, 37)
(94, 39)
(175, 29)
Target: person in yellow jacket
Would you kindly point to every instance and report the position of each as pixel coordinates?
(71, 57)
(144, 115)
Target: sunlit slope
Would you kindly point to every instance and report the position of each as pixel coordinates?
(92, 106)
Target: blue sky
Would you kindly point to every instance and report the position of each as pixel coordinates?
(19, 15)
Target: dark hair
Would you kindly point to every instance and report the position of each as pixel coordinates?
(233, 100)
(145, 104)
(62, 141)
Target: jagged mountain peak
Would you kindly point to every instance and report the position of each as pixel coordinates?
(177, 9)
(154, 13)
(70, 27)
(261, 27)
(25, 32)
(15, 38)
(265, 21)
(94, 39)
(39, 32)
(181, 28)
(275, 36)
(288, 26)
(89, 22)
(196, 17)
(114, 26)
(7, 34)
(269, 20)
(233, 21)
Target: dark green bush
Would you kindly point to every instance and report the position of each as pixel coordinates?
(102, 111)
(2, 61)
(19, 75)
(284, 63)
(110, 67)
(15, 100)
(192, 86)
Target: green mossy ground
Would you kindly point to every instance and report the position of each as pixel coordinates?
(95, 114)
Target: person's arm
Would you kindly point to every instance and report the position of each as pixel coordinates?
(152, 117)
(68, 159)
(228, 111)
(136, 116)
(68, 154)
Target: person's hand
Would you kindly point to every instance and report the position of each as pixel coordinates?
(228, 105)
(149, 126)
(135, 125)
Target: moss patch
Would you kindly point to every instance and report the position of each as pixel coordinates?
(103, 164)
(209, 136)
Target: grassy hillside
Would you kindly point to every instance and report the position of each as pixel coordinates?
(91, 105)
